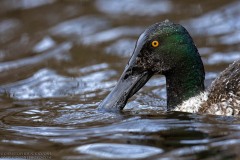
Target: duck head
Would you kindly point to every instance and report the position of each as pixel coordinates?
(164, 48)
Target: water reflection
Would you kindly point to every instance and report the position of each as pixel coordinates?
(122, 47)
(221, 22)
(119, 151)
(46, 83)
(135, 7)
(223, 58)
(79, 27)
(23, 4)
(30, 61)
(8, 28)
(44, 45)
(112, 34)
(189, 137)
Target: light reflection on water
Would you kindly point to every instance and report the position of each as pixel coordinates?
(119, 150)
(131, 9)
(60, 59)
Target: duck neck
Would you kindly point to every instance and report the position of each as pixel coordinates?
(184, 82)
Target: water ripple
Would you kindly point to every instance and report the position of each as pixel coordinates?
(54, 53)
(46, 83)
(119, 151)
(134, 7)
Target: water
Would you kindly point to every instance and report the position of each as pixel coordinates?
(59, 59)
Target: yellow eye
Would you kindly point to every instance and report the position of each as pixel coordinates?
(155, 43)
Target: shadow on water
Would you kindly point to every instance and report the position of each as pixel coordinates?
(59, 59)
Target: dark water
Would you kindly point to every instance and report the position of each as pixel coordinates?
(59, 59)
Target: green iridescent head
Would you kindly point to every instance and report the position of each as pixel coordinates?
(163, 48)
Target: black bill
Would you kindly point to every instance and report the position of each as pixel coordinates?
(130, 82)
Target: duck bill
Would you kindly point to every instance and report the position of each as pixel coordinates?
(129, 83)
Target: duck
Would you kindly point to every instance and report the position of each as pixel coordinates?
(167, 48)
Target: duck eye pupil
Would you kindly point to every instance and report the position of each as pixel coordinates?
(155, 43)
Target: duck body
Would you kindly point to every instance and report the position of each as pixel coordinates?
(167, 48)
(222, 98)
